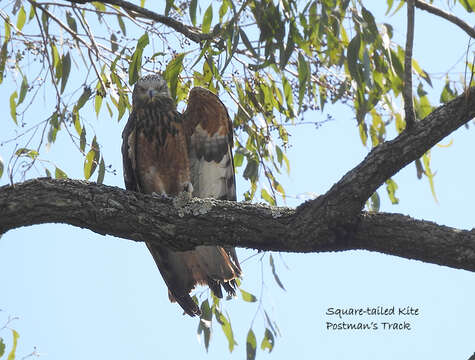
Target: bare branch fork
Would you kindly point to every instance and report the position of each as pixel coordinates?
(332, 222)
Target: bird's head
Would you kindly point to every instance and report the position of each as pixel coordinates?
(150, 89)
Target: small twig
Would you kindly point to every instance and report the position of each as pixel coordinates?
(407, 91)
(447, 16)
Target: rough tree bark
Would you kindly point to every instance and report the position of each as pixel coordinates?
(332, 222)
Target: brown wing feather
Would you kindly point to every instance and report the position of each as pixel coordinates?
(210, 140)
(128, 154)
(154, 151)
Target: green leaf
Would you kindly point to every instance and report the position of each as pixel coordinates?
(304, 76)
(369, 18)
(286, 53)
(1, 172)
(363, 130)
(268, 341)
(99, 6)
(267, 197)
(21, 19)
(251, 170)
(204, 327)
(109, 109)
(23, 90)
(419, 169)
(223, 9)
(421, 72)
(289, 99)
(102, 171)
(226, 327)
(66, 68)
(8, 32)
(55, 55)
(60, 174)
(123, 101)
(374, 202)
(33, 154)
(272, 324)
(13, 106)
(143, 41)
(247, 43)
(447, 93)
(136, 63)
(390, 5)
(48, 173)
(98, 103)
(193, 4)
(391, 188)
(11, 356)
(429, 174)
(71, 22)
(92, 159)
(251, 345)
(172, 71)
(3, 59)
(84, 97)
(82, 140)
(114, 43)
(247, 296)
(353, 56)
(280, 154)
(53, 130)
(77, 122)
(168, 6)
(207, 18)
(89, 166)
(274, 272)
(469, 5)
(238, 159)
(122, 25)
(2, 344)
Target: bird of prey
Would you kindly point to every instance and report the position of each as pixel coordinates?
(167, 152)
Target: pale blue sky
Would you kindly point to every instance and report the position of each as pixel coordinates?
(81, 295)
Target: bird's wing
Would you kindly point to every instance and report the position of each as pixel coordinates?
(128, 154)
(210, 141)
(209, 137)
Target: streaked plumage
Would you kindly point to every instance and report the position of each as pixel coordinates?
(167, 152)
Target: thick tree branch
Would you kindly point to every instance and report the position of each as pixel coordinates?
(447, 16)
(407, 91)
(183, 224)
(334, 214)
(190, 32)
(332, 222)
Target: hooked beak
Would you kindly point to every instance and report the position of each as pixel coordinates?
(151, 93)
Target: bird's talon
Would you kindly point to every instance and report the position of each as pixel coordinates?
(161, 195)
